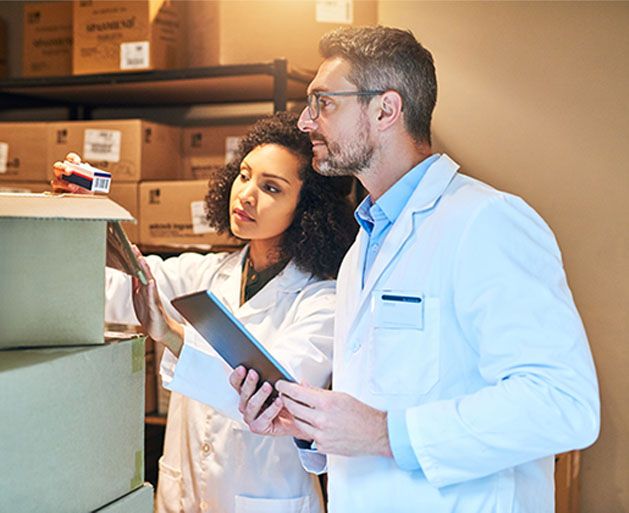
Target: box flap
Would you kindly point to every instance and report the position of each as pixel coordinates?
(61, 206)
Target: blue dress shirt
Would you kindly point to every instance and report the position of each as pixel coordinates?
(377, 219)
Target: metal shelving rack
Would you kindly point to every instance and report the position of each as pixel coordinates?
(262, 82)
(272, 82)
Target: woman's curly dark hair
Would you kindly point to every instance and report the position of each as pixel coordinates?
(323, 227)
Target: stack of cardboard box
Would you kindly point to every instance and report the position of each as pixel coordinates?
(107, 36)
(72, 404)
(159, 172)
(132, 150)
(82, 37)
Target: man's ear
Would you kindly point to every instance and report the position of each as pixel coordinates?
(389, 109)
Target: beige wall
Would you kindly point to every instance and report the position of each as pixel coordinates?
(534, 99)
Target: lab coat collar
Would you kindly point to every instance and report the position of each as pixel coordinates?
(431, 188)
(290, 280)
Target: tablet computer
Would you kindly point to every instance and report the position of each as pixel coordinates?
(227, 335)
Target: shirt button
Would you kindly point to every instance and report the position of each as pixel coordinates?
(206, 448)
(375, 247)
(204, 506)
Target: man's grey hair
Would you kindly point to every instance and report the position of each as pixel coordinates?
(383, 59)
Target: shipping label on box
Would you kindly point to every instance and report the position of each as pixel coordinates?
(101, 145)
(75, 439)
(207, 149)
(166, 215)
(47, 39)
(23, 152)
(131, 150)
(112, 36)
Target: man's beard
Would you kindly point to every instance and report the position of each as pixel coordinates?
(351, 159)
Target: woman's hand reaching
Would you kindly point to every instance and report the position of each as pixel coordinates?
(150, 311)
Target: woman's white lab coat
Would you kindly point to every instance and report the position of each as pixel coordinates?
(211, 462)
(466, 323)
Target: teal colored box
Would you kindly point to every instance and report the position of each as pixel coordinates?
(138, 501)
(52, 268)
(72, 430)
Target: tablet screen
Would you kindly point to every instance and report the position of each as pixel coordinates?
(228, 336)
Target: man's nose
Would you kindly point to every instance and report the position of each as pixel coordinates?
(305, 122)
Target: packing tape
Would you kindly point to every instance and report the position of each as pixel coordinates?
(137, 479)
(137, 354)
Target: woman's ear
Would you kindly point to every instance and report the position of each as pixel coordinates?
(389, 109)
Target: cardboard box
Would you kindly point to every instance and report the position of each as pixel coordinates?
(113, 36)
(202, 39)
(208, 148)
(74, 432)
(172, 214)
(23, 152)
(119, 331)
(25, 187)
(47, 39)
(127, 195)
(52, 268)
(138, 501)
(131, 150)
(251, 31)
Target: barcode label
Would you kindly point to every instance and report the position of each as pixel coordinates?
(101, 184)
(199, 220)
(231, 147)
(334, 11)
(102, 145)
(4, 156)
(134, 55)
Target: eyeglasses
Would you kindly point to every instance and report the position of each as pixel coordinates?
(314, 106)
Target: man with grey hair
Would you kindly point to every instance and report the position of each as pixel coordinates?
(461, 365)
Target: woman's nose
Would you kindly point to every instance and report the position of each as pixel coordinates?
(247, 193)
(305, 122)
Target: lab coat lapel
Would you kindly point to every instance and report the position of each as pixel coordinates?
(430, 189)
(226, 283)
(349, 283)
(290, 279)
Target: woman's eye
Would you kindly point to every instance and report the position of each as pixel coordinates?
(271, 188)
(243, 177)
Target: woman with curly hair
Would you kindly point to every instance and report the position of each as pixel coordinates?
(298, 225)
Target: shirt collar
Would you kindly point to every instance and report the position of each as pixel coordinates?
(393, 201)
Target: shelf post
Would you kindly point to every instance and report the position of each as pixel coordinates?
(280, 88)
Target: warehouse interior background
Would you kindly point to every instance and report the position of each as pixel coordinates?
(533, 100)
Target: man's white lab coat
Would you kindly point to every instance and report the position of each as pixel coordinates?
(466, 323)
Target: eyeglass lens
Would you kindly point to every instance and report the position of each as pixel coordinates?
(313, 106)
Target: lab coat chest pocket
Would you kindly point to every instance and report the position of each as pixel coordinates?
(404, 353)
